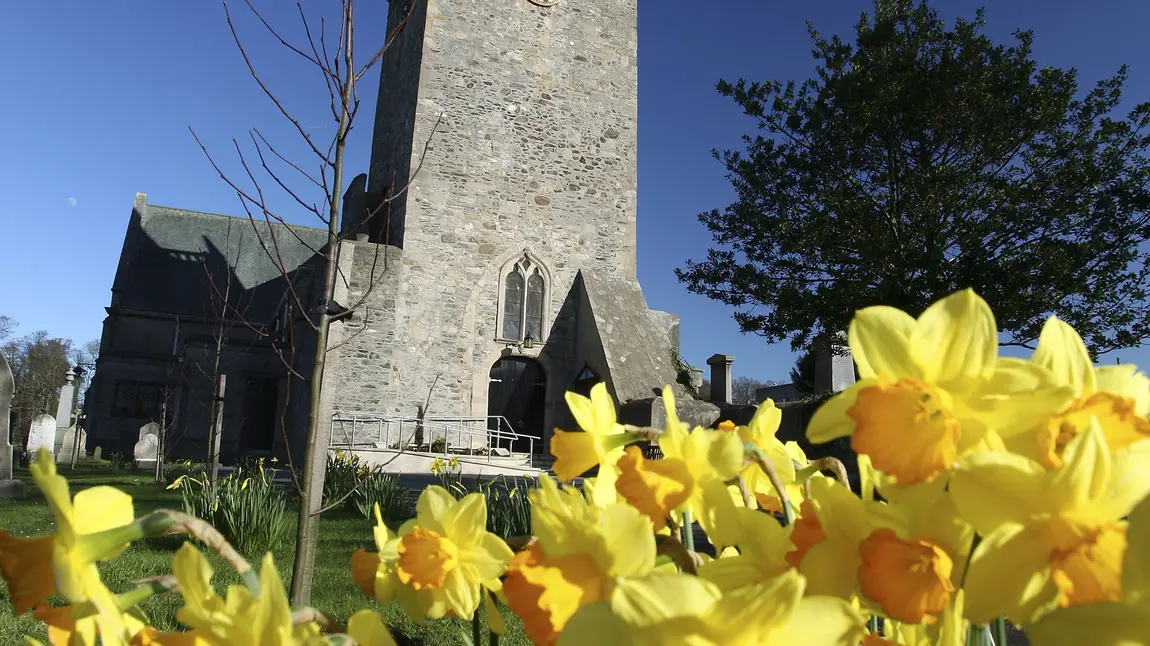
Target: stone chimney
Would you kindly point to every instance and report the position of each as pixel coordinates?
(720, 378)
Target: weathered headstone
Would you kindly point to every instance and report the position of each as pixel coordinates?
(9, 489)
(145, 451)
(41, 435)
(98, 454)
(834, 367)
(72, 446)
(720, 378)
(151, 428)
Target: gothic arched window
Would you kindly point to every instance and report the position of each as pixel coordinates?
(524, 301)
(513, 305)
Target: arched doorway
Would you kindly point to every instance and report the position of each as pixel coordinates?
(517, 392)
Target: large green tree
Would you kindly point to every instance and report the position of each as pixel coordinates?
(920, 160)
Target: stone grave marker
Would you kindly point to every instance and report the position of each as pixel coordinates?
(151, 428)
(98, 454)
(41, 435)
(69, 447)
(145, 451)
(9, 489)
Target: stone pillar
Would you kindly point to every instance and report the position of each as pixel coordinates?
(834, 367)
(64, 413)
(720, 378)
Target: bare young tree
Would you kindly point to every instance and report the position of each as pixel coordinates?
(338, 69)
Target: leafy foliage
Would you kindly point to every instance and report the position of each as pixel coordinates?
(39, 364)
(919, 160)
(248, 508)
(383, 489)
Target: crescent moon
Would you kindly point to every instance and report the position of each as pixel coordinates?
(543, 3)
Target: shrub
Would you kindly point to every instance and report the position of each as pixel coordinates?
(344, 472)
(508, 508)
(383, 489)
(248, 509)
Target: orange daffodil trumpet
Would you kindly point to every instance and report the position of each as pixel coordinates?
(1117, 396)
(933, 389)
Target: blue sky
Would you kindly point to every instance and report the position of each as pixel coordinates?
(98, 98)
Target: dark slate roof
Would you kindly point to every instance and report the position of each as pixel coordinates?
(169, 254)
(638, 352)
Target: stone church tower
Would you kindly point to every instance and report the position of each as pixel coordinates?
(505, 273)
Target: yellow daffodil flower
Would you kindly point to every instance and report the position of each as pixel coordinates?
(762, 555)
(96, 525)
(1114, 623)
(1118, 396)
(932, 389)
(440, 560)
(654, 487)
(580, 552)
(600, 442)
(913, 560)
(950, 630)
(694, 469)
(1049, 537)
(761, 431)
(666, 609)
(241, 617)
(827, 534)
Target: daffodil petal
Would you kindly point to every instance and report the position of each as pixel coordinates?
(831, 568)
(581, 409)
(488, 555)
(880, 342)
(658, 597)
(466, 519)
(1136, 562)
(1061, 351)
(823, 621)
(595, 624)
(1085, 472)
(1009, 575)
(830, 420)
(733, 572)
(1125, 380)
(460, 595)
(1098, 624)
(1019, 396)
(956, 341)
(992, 489)
(632, 544)
(432, 506)
(366, 627)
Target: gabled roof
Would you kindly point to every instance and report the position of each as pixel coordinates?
(170, 253)
(638, 352)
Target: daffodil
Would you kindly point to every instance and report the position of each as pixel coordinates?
(913, 560)
(600, 442)
(241, 617)
(666, 609)
(96, 525)
(832, 524)
(705, 460)
(1118, 396)
(440, 560)
(654, 487)
(1049, 537)
(761, 431)
(933, 389)
(763, 545)
(580, 553)
(1114, 623)
(950, 630)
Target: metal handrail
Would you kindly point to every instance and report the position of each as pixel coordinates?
(436, 426)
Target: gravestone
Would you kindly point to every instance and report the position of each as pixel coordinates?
(41, 435)
(98, 454)
(9, 489)
(145, 451)
(72, 445)
(151, 428)
(834, 367)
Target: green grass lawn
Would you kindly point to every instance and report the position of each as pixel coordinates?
(341, 533)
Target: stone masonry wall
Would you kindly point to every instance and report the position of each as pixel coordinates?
(535, 150)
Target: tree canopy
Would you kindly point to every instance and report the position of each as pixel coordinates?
(920, 160)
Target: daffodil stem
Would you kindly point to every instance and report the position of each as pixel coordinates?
(210, 536)
(872, 625)
(1000, 631)
(748, 498)
(476, 629)
(835, 465)
(493, 638)
(768, 467)
(688, 531)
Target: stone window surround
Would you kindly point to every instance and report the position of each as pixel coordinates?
(526, 262)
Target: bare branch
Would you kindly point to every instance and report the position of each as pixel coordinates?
(286, 160)
(403, 190)
(386, 43)
(251, 68)
(284, 42)
(263, 162)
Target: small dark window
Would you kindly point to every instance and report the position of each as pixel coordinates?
(584, 381)
(138, 400)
